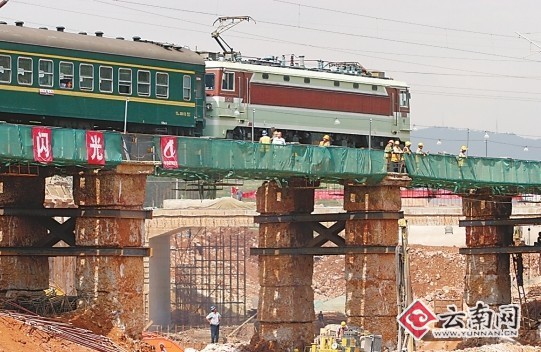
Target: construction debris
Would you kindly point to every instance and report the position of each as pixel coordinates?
(65, 331)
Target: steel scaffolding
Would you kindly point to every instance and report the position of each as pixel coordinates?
(209, 268)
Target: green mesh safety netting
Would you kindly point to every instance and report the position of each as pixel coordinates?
(217, 159)
(68, 145)
(449, 172)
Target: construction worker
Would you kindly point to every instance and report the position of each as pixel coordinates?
(462, 155)
(396, 157)
(341, 330)
(420, 150)
(214, 320)
(387, 152)
(405, 151)
(419, 154)
(265, 139)
(326, 142)
(407, 148)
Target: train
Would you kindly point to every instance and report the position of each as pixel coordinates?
(77, 80)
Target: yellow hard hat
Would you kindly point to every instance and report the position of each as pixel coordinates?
(463, 148)
(343, 323)
(326, 137)
(420, 145)
(408, 143)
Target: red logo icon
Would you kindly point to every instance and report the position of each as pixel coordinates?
(416, 318)
(169, 147)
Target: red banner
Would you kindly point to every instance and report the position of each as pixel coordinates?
(95, 148)
(169, 147)
(42, 144)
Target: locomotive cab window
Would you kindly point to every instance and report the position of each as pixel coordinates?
(210, 79)
(24, 71)
(106, 79)
(65, 75)
(187, 87)
(162, 85)
(143, 83)
(124, 81)
(45, 73)
(228, 81)
(86, 77)
(404, 99)
(5, 68)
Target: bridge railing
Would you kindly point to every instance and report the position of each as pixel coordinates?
(448, 171)
(68, 146)
(216, 158)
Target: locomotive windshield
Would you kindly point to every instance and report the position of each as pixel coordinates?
(209, 81)
(404, 98)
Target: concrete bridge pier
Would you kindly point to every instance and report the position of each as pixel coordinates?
(487, 275)
(112, 286)
(22, 275)
(286, 297)
(371, 292)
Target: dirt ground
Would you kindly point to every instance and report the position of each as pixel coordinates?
(437, 273)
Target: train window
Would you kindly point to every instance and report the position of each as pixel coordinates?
(162, 85)
(199, 88)
(187, 87)
(86, 77)
(143, 83)
(45, 73)
(337, 83)
(404, 98)
(66, 75)
(286, 78)
(124, 81)
(106, 79)
(265, 76)
(306, 80)
(374, 88)
(210, 79)
(228, 81)
(24, 71)
(356, 85)
(5, 68)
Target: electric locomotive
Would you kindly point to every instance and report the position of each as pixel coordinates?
(357, 108)
(56, 78)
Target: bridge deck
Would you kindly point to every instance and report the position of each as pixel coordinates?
(214, 159)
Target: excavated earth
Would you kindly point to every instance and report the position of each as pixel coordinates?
(437, 274)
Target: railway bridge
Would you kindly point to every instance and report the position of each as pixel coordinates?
(105, 231)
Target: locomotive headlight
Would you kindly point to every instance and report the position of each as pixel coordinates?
(208, 106)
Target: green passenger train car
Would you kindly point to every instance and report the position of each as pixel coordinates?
(56, 78)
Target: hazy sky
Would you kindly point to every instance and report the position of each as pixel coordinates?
(465, 63)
